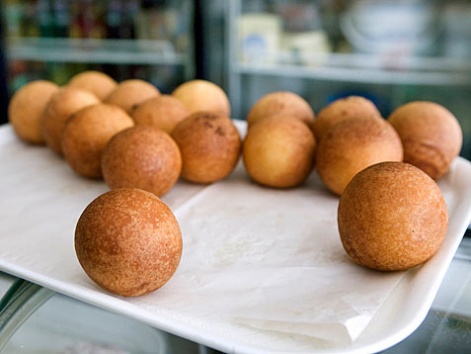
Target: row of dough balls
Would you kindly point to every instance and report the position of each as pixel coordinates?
(347, 136)
(31, 105)
(279, 154)
(77, 121)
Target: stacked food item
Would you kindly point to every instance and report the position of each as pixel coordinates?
(141, 142)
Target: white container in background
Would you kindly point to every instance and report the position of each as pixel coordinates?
(260, 35)
(387, 27)
(310, 48)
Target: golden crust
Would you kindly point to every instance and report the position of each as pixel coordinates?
(201, 95)
(98, 83)
(142, 157)
(281, 102)
(128, 241)
(86, 134)
(352, 145)
(27, 107)
(392, 216)
(131, 92)
(351, 107)
(210, 145)
(279, 151)
(66, 101)
(431, 135)
(163, 112)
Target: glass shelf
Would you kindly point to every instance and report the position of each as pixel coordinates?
(365, 68)
(120, 51)
(297, 59)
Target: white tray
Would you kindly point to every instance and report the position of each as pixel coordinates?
(251, 257)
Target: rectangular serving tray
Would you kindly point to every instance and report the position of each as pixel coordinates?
(235, 233)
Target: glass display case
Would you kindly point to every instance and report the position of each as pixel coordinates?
(391, 52)
(318, 49)
(55, 39)
(37, 320)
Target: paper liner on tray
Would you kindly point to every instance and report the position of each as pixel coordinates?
(272, 260)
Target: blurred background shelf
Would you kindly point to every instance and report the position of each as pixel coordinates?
(390, 52)
(89, 50)
(56, 39)
(368, 69)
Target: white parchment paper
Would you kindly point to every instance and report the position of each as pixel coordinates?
(272, 260)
